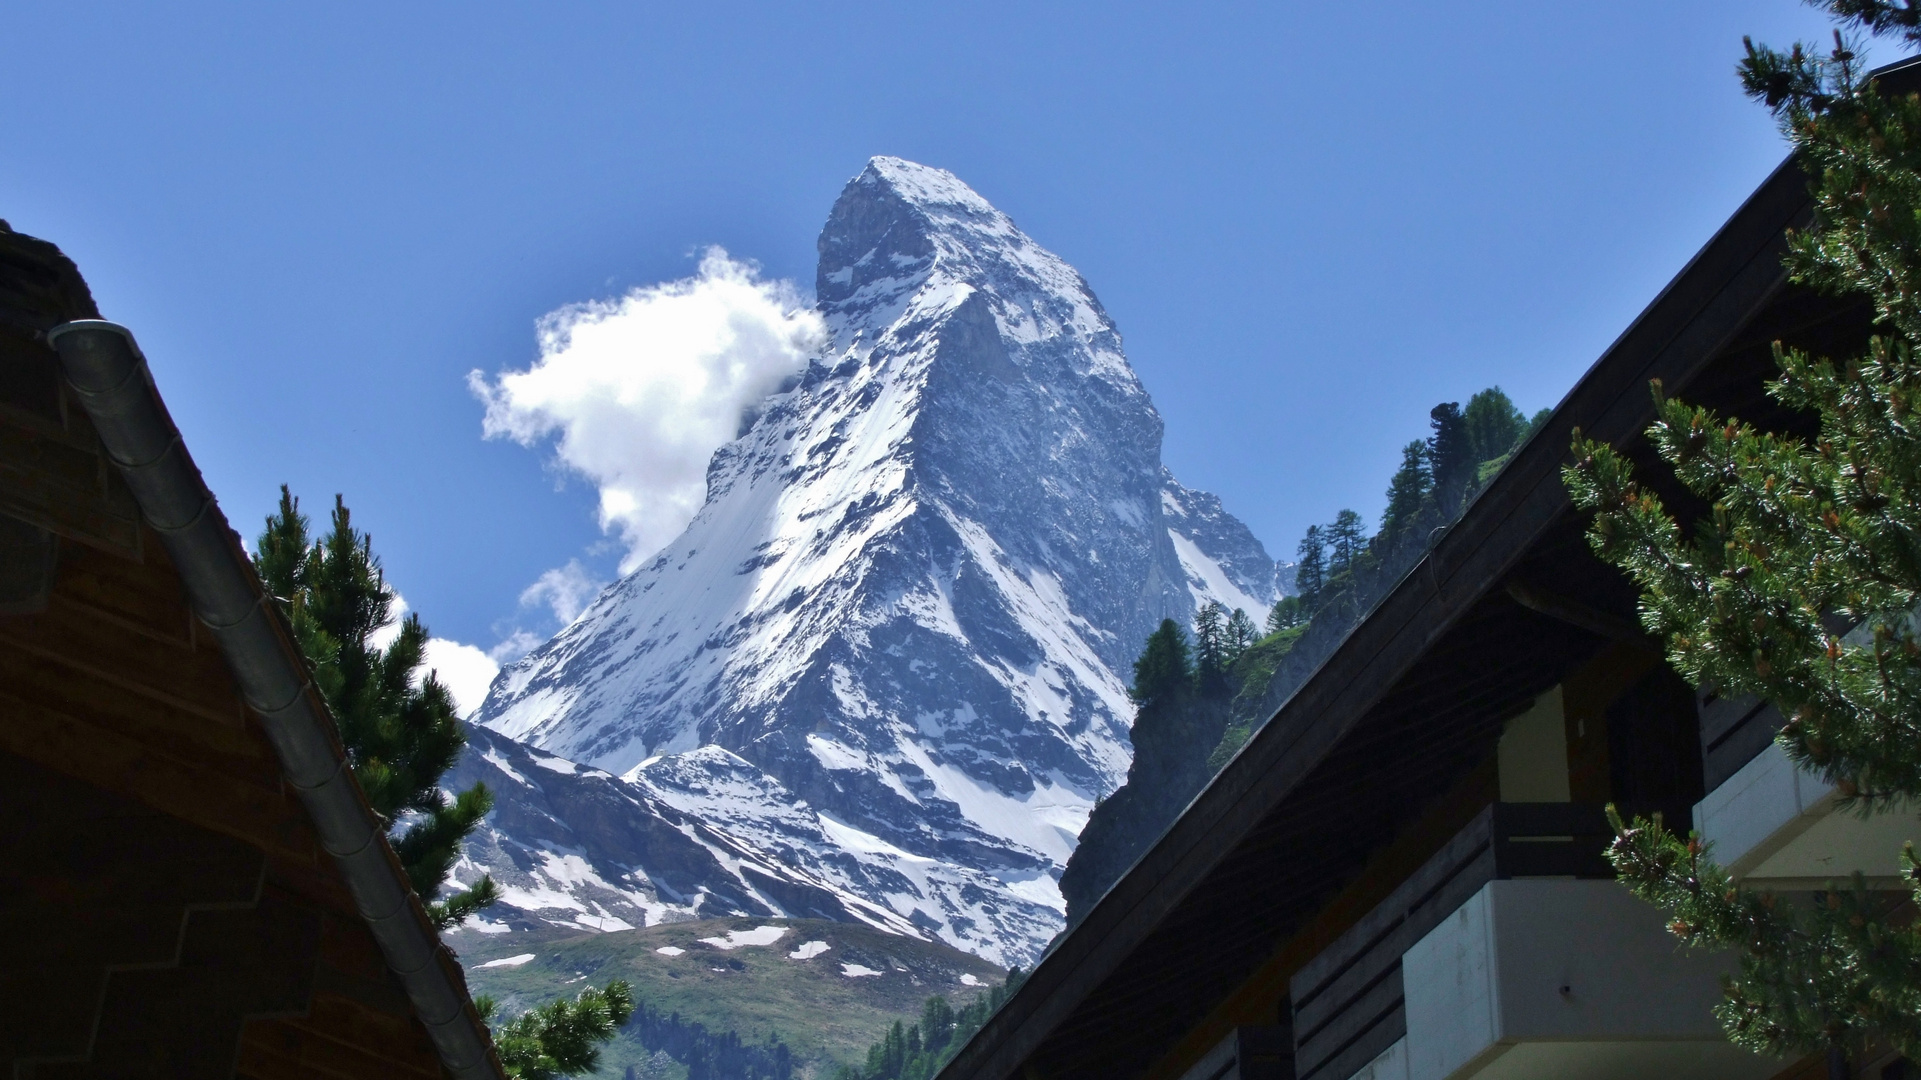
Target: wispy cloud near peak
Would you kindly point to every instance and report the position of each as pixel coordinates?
(639, 391)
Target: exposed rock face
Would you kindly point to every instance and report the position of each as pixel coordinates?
(897, 637)
(580, 846)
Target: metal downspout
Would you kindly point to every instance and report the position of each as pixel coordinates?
(106, 369)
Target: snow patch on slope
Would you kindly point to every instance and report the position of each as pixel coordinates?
(759, 935)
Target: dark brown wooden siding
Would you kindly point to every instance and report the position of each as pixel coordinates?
(167, 909)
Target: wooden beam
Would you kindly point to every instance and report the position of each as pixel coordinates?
(1574, 613)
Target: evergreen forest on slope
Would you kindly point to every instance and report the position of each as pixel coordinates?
(918, 1051)
(1200, 696)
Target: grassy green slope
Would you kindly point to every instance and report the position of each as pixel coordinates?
(826, 1015)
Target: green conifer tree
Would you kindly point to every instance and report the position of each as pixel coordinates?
(1409, 495)
(1803, 539)
(895, 1052)
(1166, 685)
(561, 1038)
(1346, 539)
(1237, 636)
(1165, 668)
(1210, 642)
(401, 735)
(936, 1023)
(1310, 571)
(1493, 425)
(1286, 613)
(1450, 457)
(934, 1041)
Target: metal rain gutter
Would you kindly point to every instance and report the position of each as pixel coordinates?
(106, 369)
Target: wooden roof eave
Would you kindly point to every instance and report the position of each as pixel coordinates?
(1673, 339)
(110, 377)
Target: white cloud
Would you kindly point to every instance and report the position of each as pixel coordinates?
(464, 670)
(565, 590)
(384, 636)
(515, 645)
(640, 391)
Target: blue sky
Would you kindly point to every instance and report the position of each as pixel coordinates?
(1311, 221)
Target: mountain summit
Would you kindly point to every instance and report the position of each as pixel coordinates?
(892, 649)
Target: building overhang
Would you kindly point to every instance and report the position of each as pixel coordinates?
(1241, 891)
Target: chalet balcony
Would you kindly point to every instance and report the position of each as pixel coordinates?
(1513, 954)
(1777, 826)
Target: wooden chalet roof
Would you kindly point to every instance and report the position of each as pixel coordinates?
(1285, 848)
(192, 883)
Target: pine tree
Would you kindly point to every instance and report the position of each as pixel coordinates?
(936, 1023)
(561, 1038)
(1165, 669)
(1310, 572)
(1450, 457)
(1166, 679)
(1494, 426)
(893, 1052)
(1210, 642)
(1346, 539)
(1286, 613)
(401, 736)
(930, 1044)
(1237, 636)
(1409, 494)
(1803, 539)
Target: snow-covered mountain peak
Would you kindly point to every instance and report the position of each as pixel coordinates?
(893, 646)
(906, 243)
(935, 189)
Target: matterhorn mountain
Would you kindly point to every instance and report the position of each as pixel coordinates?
(882, 674)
